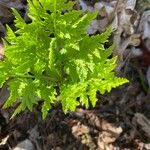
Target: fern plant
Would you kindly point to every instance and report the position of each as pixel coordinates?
(53, 56)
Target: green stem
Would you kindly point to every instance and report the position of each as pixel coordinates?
(54, 16)
(21, 76)
(31, 76)
(55, 4)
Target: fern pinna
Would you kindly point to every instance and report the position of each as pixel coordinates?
(52, 52)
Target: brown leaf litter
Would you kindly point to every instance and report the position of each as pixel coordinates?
(121, 119)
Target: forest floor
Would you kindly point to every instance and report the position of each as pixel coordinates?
(121, 118)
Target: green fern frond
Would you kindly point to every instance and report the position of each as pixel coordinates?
(52, 52)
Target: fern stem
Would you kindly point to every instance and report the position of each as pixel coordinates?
(31, 76)
(55, 3)
(22, 76)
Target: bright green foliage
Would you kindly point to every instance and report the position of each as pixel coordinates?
(54, 53)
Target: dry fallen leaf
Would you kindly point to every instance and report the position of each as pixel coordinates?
(80, 129)
(144, 124)
(108, 135)
(144, 26)
(13, 3)
(4, 140)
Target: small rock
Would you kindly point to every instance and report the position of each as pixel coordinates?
(24, 145)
